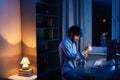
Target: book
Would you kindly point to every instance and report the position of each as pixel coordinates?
(50, 22)
(49, 34)
(26, 73)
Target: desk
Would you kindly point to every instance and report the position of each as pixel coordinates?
(17, 77)
(106, 70)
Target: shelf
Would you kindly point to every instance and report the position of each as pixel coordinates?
(48, 71)
(46, 40)
(47, 21)
(49, 2)
(47, 15)
(48, 27)
(47, 52)
(46, 3)
(48, 62)
(47, 9)
(49, 34)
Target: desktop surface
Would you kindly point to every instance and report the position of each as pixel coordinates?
(104, 70)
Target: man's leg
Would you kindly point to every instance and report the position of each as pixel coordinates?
(71, 76)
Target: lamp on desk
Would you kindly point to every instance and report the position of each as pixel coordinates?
(25, 63)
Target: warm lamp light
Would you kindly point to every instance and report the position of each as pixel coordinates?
(25, 63)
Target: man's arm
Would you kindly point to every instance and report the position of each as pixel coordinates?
(85, 51)
(68, 51)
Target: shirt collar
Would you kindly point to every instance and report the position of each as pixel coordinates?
(69, 40)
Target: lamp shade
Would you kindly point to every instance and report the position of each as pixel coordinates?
(25, 60)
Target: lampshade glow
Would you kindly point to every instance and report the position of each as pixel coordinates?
(25, 61)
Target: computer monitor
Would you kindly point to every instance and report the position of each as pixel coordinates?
(111, 49)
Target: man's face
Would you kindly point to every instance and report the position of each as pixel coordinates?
(75, 38)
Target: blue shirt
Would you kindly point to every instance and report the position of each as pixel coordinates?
(68, 55)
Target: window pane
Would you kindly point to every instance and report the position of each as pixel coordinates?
(101, 22)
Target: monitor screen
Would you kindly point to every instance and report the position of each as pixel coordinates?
(111, 49)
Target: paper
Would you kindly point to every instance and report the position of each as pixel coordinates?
(98, 63)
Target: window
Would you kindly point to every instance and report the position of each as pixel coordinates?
(101, 22)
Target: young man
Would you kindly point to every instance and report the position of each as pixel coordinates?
(69, 55)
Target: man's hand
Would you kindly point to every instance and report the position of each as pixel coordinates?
(85, 52)
(85, 56)
(89, 48)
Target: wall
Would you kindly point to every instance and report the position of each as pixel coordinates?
(15, 23)
(10, 37)
(28, 24)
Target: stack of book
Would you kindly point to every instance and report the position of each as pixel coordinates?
(26, 73)
(49, 33)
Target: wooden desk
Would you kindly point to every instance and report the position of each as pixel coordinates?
(106, 70)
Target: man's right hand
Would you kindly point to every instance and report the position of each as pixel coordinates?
(89, 48)
(85, 52)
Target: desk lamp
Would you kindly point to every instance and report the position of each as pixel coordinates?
(25, 63)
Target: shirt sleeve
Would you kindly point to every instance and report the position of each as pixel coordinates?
(70, 53)
(82, 54)
(79, 55)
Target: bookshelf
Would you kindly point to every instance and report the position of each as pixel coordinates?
(48, 31)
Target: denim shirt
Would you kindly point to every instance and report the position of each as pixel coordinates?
(68, 55)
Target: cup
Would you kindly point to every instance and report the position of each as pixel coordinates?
(82, 63)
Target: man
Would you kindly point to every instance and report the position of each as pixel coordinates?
(69, 55)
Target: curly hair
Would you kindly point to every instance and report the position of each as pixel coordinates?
(75, 30)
